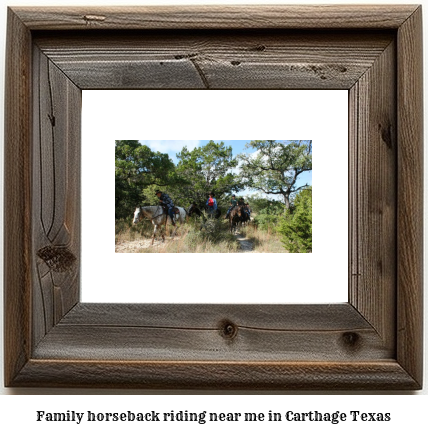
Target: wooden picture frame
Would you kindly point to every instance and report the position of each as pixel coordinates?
(372, 342)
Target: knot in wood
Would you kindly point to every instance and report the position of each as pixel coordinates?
(94, 18)
(58, 259)
(227, 329)
(386, 134)
(351, 340)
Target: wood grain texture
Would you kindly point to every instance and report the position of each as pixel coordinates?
(56, 194)
(216, 60)
(341, 317)
(372, 342)
(410, 196)
(385, 375)
(373, 179)
(17, 218)
(216, 17)
(199, 332)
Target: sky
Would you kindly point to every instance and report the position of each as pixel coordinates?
(172, 147)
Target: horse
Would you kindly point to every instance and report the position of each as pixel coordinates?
(244, 216)
(193, 209)
(158, 217)
(235, 217)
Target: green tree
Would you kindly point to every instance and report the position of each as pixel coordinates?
(204, 169)
(275, 166)
(296, 227)
(136, 168)
(267, 212)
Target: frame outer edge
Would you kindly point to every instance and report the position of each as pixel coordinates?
(386, 375)
(18, 196)
(410, 197)
(17, 182)
(215, 16)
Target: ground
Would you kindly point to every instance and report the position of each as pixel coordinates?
(138, 245)
(246, 244)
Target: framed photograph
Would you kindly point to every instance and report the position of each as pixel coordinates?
(54, 339)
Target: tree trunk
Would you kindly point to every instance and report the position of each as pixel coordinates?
(287, 201)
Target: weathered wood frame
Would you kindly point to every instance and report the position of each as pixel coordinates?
(372, 342)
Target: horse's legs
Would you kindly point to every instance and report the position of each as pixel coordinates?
(174, 230)
(154, 234)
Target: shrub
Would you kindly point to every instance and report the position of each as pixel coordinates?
(268, 214)
(296, 226)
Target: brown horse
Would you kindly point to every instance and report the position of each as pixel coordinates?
(245, 217)
(235, 216)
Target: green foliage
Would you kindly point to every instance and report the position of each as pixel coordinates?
(140, 171)
(262, 205)
(296, 226)
(266, 222)
(205, 169)
(136, 168)
(266, 212)
(275, 166)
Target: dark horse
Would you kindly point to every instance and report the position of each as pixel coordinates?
(217, 214)
(245, 217)
(194, 210)
(235, 217)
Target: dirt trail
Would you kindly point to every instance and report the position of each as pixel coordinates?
(246, 244)
(133, 246)
(138, 245)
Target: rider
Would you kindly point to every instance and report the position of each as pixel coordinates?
(247, 209)
(211, 204)
(233, 203)
(167, 201)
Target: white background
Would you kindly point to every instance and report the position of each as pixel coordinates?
(18, 412)
(320, 277)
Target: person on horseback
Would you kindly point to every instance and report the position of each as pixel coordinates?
(211, 204)
(247, 209)
(233, 203)
(166, 201)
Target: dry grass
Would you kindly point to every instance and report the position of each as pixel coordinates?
(263, 241)
(125, 231)
(214, 237)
